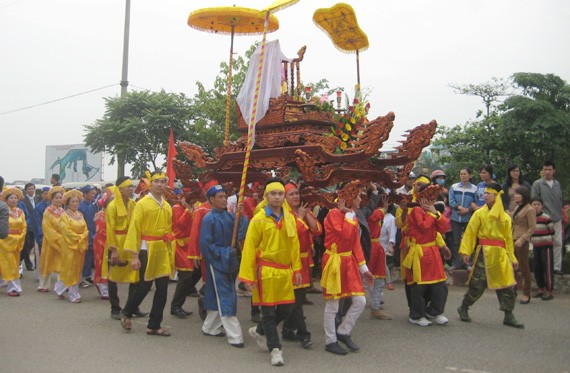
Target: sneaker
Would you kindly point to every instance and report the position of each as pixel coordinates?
(116, 315)
(84, 285)
(260, 339)
(277, 357)
(439, 319)
(379, 314)
(89, 280)
(421, 322)
(306, 343)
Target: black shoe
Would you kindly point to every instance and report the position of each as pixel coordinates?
(220, 334)
(307, 302)
(256, 318)
(139, 313)
(306, 343)
(194, 293)
(238, 345)
(178, 312)
(347, 341)
(511, 321)
(201, 310)
(89, 280)
(116, 315)
(560, 273)
(335, 348)
(202, 290)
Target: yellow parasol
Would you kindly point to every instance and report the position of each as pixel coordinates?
(274, 7)
(340, 23)
(231, 20)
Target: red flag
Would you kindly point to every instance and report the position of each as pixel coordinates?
(171, 155)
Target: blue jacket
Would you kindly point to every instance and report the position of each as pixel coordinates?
(461, 195)
(89, 210)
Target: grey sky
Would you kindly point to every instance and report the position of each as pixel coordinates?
(58, 48)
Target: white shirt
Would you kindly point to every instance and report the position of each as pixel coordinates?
(388, 232)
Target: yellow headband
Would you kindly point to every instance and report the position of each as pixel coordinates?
(491, 191)
(126, 183)
(156, 176)
(274, 186)
(422, 179)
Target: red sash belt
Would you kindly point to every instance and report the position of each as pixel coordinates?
(152, 238)
(263, 263)
(121, 231)
(491, 242)
(15, 231)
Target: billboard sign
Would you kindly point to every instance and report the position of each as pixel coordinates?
(73, 163)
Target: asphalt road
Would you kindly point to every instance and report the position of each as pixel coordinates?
(42, 333)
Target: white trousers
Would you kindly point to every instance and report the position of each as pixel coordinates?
(72, 291)
(103, 290)
(11, 286)
(45, 281)
(345, 328)
(557, 245)
(214, 322)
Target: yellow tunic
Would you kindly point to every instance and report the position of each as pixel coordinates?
(152, 223)
(270, 255)
(117, 227)
(498, 260)
(74, 243)
(50, 259)
(11, 246)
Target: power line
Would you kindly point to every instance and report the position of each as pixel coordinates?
(58, 99)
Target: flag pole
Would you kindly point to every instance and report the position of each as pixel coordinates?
(251, 127)
(228, 99)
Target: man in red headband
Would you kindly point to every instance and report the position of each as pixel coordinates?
(343, 265)
(307, 227)
(424, 259)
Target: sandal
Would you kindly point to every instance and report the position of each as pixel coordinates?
(160, 332)
(126, 322)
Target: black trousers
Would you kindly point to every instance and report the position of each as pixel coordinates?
(142, 289)
(418, 305)
(296, 319)
(183, 289)
(28, 246)
(114, 295)
(544, 267)
(271, 316)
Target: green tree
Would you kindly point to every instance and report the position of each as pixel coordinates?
(529, 127)
(138, 125)
(537, 123)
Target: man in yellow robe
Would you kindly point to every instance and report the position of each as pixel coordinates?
(117, 217)
(149, 239)
(270, 258)
(495, 261)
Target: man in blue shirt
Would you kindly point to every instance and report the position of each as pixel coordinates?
(88, 208)
(463, 201)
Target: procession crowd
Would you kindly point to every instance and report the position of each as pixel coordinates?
(87, 237)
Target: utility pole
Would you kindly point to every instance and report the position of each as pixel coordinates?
(124, 79)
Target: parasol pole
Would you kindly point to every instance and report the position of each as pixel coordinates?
(228, 100)
(357, 73)
(250, 127)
